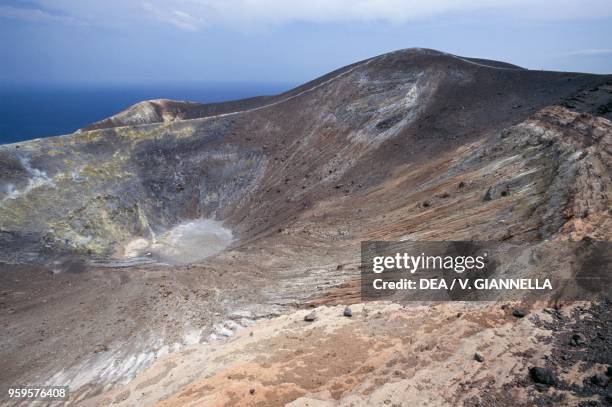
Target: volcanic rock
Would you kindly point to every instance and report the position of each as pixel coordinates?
(310, 317)
(543, 375)
(577, 339)
(600, 379)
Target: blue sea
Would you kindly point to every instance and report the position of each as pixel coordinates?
(30, 111)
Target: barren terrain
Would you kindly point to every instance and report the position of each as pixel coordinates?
(411, 145)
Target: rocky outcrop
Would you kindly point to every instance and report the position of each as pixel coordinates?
(150, 111)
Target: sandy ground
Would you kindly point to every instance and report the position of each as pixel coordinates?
(385, 354)
(92, 328)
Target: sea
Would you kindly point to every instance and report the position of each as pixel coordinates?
(29, 111)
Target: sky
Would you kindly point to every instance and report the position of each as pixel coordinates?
(292, 41)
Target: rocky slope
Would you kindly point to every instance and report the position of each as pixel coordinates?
(415, 144)
(385, 354)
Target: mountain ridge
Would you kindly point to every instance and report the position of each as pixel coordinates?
(202, 110)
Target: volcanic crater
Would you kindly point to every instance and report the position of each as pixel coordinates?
(166, 254)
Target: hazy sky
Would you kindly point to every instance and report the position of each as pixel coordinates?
(284, 40)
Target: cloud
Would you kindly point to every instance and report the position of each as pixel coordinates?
(192, 15)
(591, 52)
(178, 18)
(275, 12)
(34, 15)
